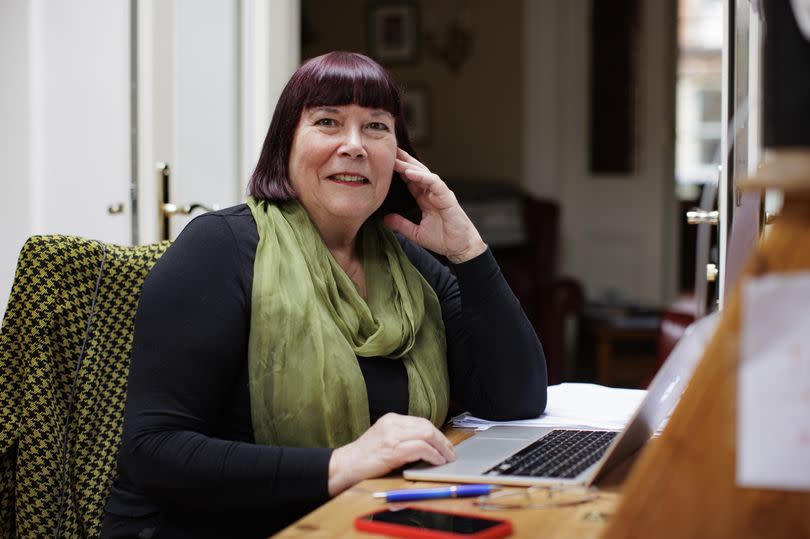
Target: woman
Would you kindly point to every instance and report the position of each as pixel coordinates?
(291, 347)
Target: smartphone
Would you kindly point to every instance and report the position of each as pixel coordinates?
(430, 524)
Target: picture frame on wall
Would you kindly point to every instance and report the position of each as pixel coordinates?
(416, 111)
(393, 32)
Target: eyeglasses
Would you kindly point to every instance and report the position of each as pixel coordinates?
(540, 497)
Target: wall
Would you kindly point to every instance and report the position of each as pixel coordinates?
(15, 133)
(519, 111)
(65, 102)
(618, 230)
(476, 114)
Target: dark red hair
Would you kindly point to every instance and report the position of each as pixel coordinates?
(333, 79)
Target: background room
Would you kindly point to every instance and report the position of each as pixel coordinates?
(556, 124)
(554, 121)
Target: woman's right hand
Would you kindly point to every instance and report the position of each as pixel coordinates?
(393, 441)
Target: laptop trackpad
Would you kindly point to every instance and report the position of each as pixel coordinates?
(481, 454)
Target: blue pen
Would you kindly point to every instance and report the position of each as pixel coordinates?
(456, 491)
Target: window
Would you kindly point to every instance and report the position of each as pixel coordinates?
(699, 97)
(709, 100)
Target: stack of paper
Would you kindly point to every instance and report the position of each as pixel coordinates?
(574, 405)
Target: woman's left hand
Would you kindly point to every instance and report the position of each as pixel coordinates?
(445, 228)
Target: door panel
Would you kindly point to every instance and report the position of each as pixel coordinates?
(190, 94)
(66, 123)
(80, 118)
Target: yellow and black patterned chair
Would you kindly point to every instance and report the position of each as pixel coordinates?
(64, 358)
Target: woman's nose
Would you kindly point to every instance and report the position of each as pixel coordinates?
(352, 145)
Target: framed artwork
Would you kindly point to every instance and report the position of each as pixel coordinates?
(415, 101)
(393, 32)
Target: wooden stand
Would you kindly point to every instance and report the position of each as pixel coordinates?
(685, 484)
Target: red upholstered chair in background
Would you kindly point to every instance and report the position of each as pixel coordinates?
(673, 326)
(674, 321)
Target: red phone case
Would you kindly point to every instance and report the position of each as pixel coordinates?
(502, 529)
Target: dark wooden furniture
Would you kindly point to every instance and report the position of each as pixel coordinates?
(523, 232)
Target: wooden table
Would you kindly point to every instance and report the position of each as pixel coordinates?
(336, 518)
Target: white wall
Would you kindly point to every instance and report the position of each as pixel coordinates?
(618, 231)
(15, 135)
(65, 129)
(542, 43)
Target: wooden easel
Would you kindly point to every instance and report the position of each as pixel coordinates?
(683, 485)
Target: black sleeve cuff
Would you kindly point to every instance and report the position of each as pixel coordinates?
(302, 472)
(481, 268)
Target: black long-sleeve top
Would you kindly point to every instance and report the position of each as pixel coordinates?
(188, 464)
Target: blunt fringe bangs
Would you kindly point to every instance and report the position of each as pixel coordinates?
(333, 79)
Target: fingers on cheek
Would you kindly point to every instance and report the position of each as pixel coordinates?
(418, 175)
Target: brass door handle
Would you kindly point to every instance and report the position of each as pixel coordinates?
(168, 209)
(115, 209)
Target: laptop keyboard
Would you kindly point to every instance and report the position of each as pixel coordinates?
(561, 454)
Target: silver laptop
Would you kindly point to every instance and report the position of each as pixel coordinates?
(538, 455)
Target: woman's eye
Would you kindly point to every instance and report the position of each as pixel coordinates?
(326, 122)
(379, 126)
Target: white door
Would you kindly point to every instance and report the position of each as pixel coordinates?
(65, 132)
(209, 73)
(78, 138)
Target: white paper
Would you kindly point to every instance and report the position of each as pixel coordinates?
(773, 385)
(575, 405)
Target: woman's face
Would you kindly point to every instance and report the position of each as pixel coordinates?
(341, 162)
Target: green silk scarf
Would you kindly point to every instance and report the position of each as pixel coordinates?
(308, 324)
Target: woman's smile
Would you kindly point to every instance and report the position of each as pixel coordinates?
(349, 179)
